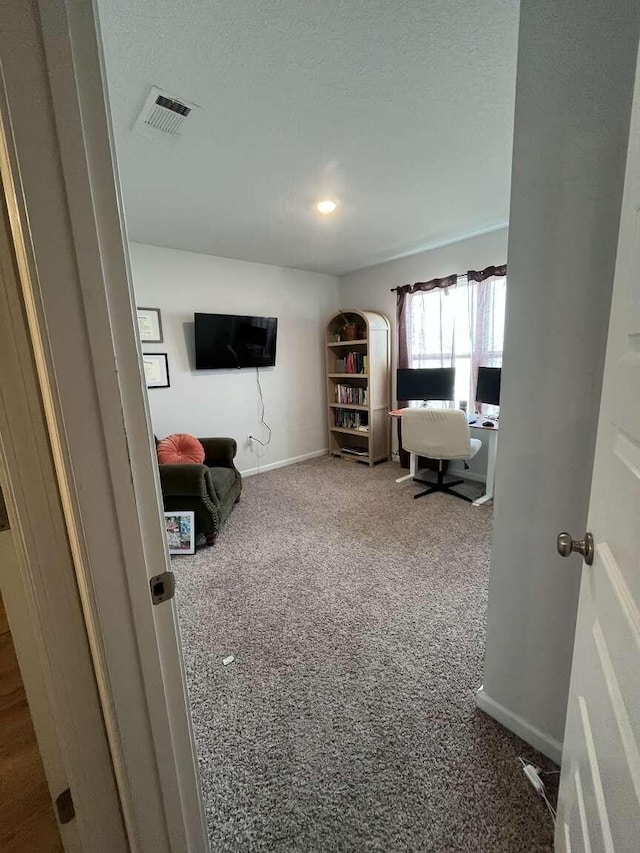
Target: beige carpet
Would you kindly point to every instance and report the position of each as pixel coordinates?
(346, 722)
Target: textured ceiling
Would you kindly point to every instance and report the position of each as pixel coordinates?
(400, 109)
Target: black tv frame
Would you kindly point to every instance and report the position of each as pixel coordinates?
(234, 341)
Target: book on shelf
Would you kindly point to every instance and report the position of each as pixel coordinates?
(353, 362)
(354, 451)
(351, 395)
(346, 419)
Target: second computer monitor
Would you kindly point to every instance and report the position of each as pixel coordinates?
(429, 383)
(488, 387)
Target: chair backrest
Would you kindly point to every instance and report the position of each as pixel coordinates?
(436, 433)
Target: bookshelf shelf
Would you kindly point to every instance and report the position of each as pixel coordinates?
(347, 343)
(359, 399)
(353, 406)
(350, 431)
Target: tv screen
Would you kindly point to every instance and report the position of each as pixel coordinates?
(225, 341)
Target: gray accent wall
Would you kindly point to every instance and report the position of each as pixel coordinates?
(575, 78)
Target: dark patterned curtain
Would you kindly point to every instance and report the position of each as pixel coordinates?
(488, 272)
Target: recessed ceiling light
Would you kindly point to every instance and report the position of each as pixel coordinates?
(327, 206)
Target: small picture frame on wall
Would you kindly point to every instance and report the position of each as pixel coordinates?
(181, 532)
(156, 369)
(149, 325)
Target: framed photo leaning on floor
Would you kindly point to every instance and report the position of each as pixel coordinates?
(181, 533)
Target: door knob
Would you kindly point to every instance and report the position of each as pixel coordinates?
(567, 545)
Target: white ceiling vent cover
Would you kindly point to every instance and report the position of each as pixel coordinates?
(163, 114)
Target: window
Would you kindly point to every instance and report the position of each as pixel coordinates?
(460, 326)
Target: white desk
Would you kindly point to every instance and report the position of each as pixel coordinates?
(413, 469)
(487, 435)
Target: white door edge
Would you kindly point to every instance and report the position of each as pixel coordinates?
(41, 595)
(37, 675)
(599, 795)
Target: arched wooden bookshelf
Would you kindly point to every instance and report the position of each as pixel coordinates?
(359, 386)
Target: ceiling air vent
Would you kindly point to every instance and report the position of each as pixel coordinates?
(167, 115)
(163, 114)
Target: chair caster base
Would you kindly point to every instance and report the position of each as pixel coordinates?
(441, 486)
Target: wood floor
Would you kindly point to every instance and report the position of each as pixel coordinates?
(27, 822)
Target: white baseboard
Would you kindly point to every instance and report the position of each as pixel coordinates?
(467, 475)
(284, 462)
(544, 743)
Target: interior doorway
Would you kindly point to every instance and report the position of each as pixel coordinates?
(332, 625)
(368, 696)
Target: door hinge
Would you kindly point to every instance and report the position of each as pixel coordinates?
(64, 807)
(4, 516)
(163, 587)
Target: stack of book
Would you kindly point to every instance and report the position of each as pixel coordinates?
(355, 451)
(352, 420)
(351, 395)
(353, 362)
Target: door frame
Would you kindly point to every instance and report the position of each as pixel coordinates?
(61, 189)
(54, 658)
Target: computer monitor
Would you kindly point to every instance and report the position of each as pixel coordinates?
(488, 387)
(429, 383)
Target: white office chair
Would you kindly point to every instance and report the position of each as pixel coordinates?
(438, 434)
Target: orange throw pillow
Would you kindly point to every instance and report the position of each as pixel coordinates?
(180, 447)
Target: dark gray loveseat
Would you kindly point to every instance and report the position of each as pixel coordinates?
(210, 489)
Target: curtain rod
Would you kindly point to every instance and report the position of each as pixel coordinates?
(499, 270)
(443, 278)
(394, 289)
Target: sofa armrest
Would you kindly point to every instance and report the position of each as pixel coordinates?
(184, 480)
(219, 452)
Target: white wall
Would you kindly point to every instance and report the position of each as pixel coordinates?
(575, 72)
(225, 402)
(370, 288)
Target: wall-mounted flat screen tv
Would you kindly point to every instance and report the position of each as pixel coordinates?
(225, 341)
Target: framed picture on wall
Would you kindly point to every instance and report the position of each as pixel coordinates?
(156, 369)
(181, 531)
(149, 325)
